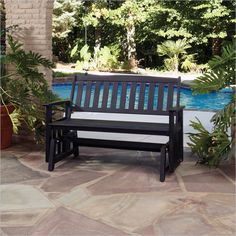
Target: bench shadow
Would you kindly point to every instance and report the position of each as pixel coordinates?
(97, 160)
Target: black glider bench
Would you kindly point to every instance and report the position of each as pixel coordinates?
(129, 94)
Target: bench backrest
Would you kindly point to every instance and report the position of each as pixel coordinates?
(135, 94)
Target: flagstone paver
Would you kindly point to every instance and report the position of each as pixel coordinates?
(190, 168)
(194, 218)
(208, 182)
(229, 170)
(201, 214)
(134, 179)
(129, 211)
(66, 222)
(16, 231)
(21, 217)
(22, 197)
(113, 192)
(34, 160)
(66, 182)
(12, 171)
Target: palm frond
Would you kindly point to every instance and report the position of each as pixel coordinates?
(222, 72)
(15, 117)
(171, 48)
(14, 45)
(223, 118)
(226, 59)
(210, 147)
(210, 81)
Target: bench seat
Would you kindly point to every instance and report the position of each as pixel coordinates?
(112, 126)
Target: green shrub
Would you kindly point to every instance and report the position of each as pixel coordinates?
(174, 50)
(212, 147)
(106, 59)
(102, 59)
(56, 74)
(26, 88)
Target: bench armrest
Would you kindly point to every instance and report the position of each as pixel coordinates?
(176, 116)
(176, 109)
(49, 109)
(67, 102)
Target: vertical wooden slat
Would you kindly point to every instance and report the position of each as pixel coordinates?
(96, 95)
(88, 94)
(73, 89)
(114, 96)
(151, 97)
(123, 95)
(170, 96)
(160, 96)
(178, 97)
(132, 95)
(79, 93)
(105, 95)
(110, 87)
(178, 92)
(60, 144)
(141, 97)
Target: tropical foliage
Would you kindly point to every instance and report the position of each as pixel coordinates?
(212, 147)
(175, 50)
(101, 59)
(136, 27)
(25, 87)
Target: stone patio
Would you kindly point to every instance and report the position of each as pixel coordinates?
(113, 192)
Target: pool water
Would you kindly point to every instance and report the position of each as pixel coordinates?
(210, 101)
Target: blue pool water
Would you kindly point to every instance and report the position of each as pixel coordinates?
(211, 101)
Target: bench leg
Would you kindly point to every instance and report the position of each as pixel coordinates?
(47, 143)
(51, 155)
(75, 145)
(163, 164)
(181, 136)
(75, 149)
(181, 147)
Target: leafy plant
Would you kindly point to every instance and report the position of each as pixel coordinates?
(25, 88)
(101, 59)
(189, 63)
(105, 58)
(174, 50)
(56, 74)
(212, 147)
(221, 74)
(85, 56)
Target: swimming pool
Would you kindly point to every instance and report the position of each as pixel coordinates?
(211, 101)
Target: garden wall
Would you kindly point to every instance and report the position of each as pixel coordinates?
(34, 18)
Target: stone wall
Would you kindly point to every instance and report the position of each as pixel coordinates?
(34, 18)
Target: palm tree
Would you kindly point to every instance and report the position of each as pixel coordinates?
(174, 50)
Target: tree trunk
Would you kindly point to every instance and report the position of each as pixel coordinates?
(131, 45)
(98, 39)
(216, 46)
(176, 64)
